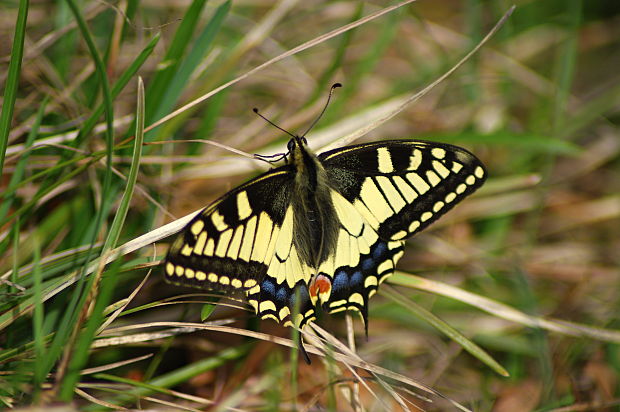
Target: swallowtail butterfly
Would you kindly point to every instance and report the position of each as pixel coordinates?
(326, 229)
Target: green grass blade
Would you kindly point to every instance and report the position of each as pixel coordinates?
(171, 61)
(121, 214)
(18, 174)
(118, 87)
(83, 288)
(79, 354)
(12, 81)
(445, 328)
(37, 326)
(202, 46)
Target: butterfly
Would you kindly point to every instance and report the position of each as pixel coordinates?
(321, 230)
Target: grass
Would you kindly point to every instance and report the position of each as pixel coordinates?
(508, 303)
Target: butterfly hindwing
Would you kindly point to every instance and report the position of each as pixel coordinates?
(286, 277)
(402, 186)
(361, 260)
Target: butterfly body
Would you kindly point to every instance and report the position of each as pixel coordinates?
(322, 230)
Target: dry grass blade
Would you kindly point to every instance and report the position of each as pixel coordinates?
(351, 359)
(504, 311)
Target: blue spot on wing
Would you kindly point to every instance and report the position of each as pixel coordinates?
(368, 264)
(356, 278)
(282, 294)
(380, 249)
(268, 287)
(340, 281)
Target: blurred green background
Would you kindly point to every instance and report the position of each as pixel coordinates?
(527, 268)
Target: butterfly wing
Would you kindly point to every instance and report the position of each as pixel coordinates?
(385, 192)
(243, 243)
(360, 261)
(402, 186)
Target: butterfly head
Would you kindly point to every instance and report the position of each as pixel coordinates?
(320, 289)
(297, 147)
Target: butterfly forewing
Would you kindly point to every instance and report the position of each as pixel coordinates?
(401, 187)
(226, 246)
(243, 242)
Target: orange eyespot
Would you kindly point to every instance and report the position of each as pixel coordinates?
(321, 287)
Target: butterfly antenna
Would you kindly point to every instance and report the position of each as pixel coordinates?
(331, 91)
(255, 110)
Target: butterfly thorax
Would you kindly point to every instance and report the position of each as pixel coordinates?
(315, 222)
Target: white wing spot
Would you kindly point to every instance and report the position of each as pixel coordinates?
(218, 221)
(460, 189)
(169, 269)
(450, 197)
(248, 239)
(179, 270)
(201, 276)
(210, 247)
(263, 235)
(222, 243)
(438, 152)
(189, 273)
(356, 298)
(456, 167)
(372, 197)
(385, 266)
(438, 206)
(406, 190)
(200, 243)
(470, 180)
(266, 305)
(212, 277)
(225, 280)
(479, 172)
(236, 283)
(384, 160)
(249, 283)
(441, 169)
(414, 226)
(197, 227)
(420, 185)
(415, 160)
(394, 198)
(243, 205)
(425, 216)
(187, 250)
(399, 235)
(235, 245)
(432, 178)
